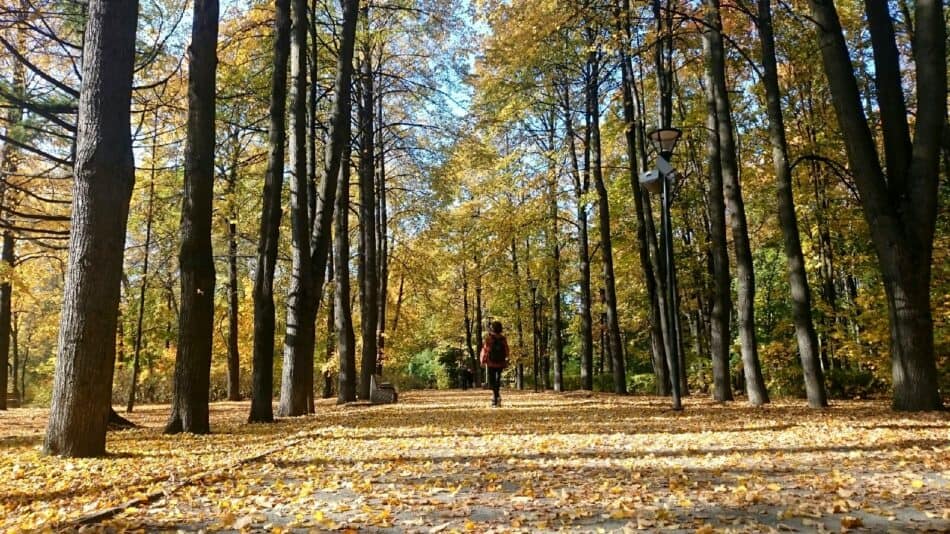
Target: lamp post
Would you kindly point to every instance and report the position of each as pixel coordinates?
(533, 285)
(664, 140)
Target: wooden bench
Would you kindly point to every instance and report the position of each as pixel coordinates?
(381, 392)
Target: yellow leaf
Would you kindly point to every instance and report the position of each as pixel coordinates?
(849, 522)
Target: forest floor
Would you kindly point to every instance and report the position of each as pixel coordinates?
(448, 462)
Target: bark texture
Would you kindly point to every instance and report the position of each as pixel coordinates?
(341, 262)
(6, 291)
(721, 310)
(299, 336)
(368, 264)
(234, 357)
(745, 274)
(808, 349)
(196, 320)
(603, 212)
(262, 381)
(104, 176)
(900, 201)
(581, 187)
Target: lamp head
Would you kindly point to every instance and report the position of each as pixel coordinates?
(665, 139)
(533, 284)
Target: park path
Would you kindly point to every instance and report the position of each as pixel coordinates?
(447, 462)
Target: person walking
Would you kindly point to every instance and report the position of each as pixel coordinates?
(495, 354)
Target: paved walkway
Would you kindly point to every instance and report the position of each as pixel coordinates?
(444, 462)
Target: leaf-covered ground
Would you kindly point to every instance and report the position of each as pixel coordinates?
(446, 461)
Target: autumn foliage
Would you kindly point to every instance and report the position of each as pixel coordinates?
(446, 461)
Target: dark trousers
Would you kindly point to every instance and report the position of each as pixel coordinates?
(494, 380)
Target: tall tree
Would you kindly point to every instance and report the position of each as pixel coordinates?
(234, 357)
(262, 386)
(143, 287)
(382, 222)
(472, 358)
(322, 202)
(9, 165)
(720, 334)
(808, 349)
(899, 199)
(603, 211)
(519, 325)
(557, 339)
(346, 343)
(299, 338)
(581, 187)
(6, 291)
(368, 267)
(104, 177)
(196, 319)
(745, 274)
(660, 367)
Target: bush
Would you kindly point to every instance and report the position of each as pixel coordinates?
(853, 383)
(642, 384)
(604, 382)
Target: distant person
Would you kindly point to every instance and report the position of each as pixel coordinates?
(495, 355)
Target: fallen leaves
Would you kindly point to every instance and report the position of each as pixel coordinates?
(442, 462)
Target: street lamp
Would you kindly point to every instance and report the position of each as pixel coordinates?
(664, 140)
(533, 285)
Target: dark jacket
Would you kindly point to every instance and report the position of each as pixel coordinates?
(486, 348)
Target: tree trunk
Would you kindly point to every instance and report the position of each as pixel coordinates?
(382, 223)
(234, 357)
(666, 273)
(133, 383)
(196, 321)
(6, 291)
(9, 165)
(745, 275)
(17, 363)
(344, 319)
(721, 313)
(262, 382)
(553, 192)
(581, 186)
(606, 247)
(660, 368)
(104, 177)
(798, 281)
(368, 263)
(901, 205)
(519, 375)
(473, 361)
(295, 388)
(478, 320)
(331, 331)
(335, 159)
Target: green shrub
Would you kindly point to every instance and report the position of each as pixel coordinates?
(642, 383)
(853, 382)
(604, 382)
